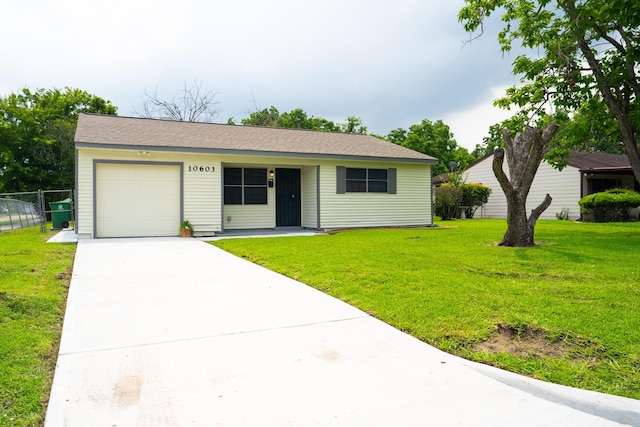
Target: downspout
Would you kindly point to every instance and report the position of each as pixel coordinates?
(431, 192)
(181, 192)
(95, 222)
(75, 197)
(221, 197)
(318, 222)
(582, 180)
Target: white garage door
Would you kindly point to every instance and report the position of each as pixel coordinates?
(137, 200)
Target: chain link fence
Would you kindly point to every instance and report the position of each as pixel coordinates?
(18, 210)
(30, 209)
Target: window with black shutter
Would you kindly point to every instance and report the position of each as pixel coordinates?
(365, 180)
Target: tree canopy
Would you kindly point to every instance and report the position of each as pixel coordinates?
(590, 128)
(298, 119)
(37, 131)
(494, 140)
(582, 54)
(434, 139)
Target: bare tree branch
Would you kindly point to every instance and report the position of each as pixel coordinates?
(191, 104)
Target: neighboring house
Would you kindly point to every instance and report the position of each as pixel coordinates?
(586, 173)
(143, 177)
(438, 180)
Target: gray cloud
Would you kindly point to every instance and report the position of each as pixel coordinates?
(391, 64)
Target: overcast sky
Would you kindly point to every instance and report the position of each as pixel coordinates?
(391, 63)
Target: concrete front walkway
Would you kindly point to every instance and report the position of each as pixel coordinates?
(175, 332)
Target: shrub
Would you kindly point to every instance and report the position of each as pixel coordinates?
(447, 199)
(610, 205)
(451, 196)
(474, 195)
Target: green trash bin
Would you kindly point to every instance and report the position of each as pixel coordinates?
(60, 213)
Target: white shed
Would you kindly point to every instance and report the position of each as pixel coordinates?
(143, 177)
(585, 173)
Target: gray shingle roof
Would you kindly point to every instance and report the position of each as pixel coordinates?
(587, 161)
(598, 161)
(139, 133)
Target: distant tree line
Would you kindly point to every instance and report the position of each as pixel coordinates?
(298, 119)
(37, 131)
(432, 138)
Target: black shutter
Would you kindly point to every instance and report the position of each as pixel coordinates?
(341, 179)
(391, 178)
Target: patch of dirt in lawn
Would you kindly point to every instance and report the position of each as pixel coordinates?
(522, 340)
(65, 275)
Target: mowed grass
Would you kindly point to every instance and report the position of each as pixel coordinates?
(34, 280)
(565, 311)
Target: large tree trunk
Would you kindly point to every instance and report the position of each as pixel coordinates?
(524, 155)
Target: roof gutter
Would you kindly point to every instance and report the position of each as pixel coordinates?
(607, 169)
(253, 153)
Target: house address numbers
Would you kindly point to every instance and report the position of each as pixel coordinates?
(198, 168)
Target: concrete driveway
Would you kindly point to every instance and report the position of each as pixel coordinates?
(175, 332)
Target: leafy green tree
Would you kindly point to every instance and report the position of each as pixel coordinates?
(37, 131)
(494, 140)
(590, 128)
(353, 125)
(582, 51)
(298, 119)
(490, 142)
(434, 139)
(266, 117)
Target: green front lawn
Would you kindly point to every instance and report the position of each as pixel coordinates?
(34, 279)
(565, 311)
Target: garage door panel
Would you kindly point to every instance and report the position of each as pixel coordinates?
(137, 200)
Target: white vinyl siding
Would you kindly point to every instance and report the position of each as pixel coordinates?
(411, 205)
(309, 177)
(563, 187)
(202, 194)
(321, 206)
(201, 190)
(238, 217)
(84, 198)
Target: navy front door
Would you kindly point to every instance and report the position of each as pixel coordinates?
(288, 200)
